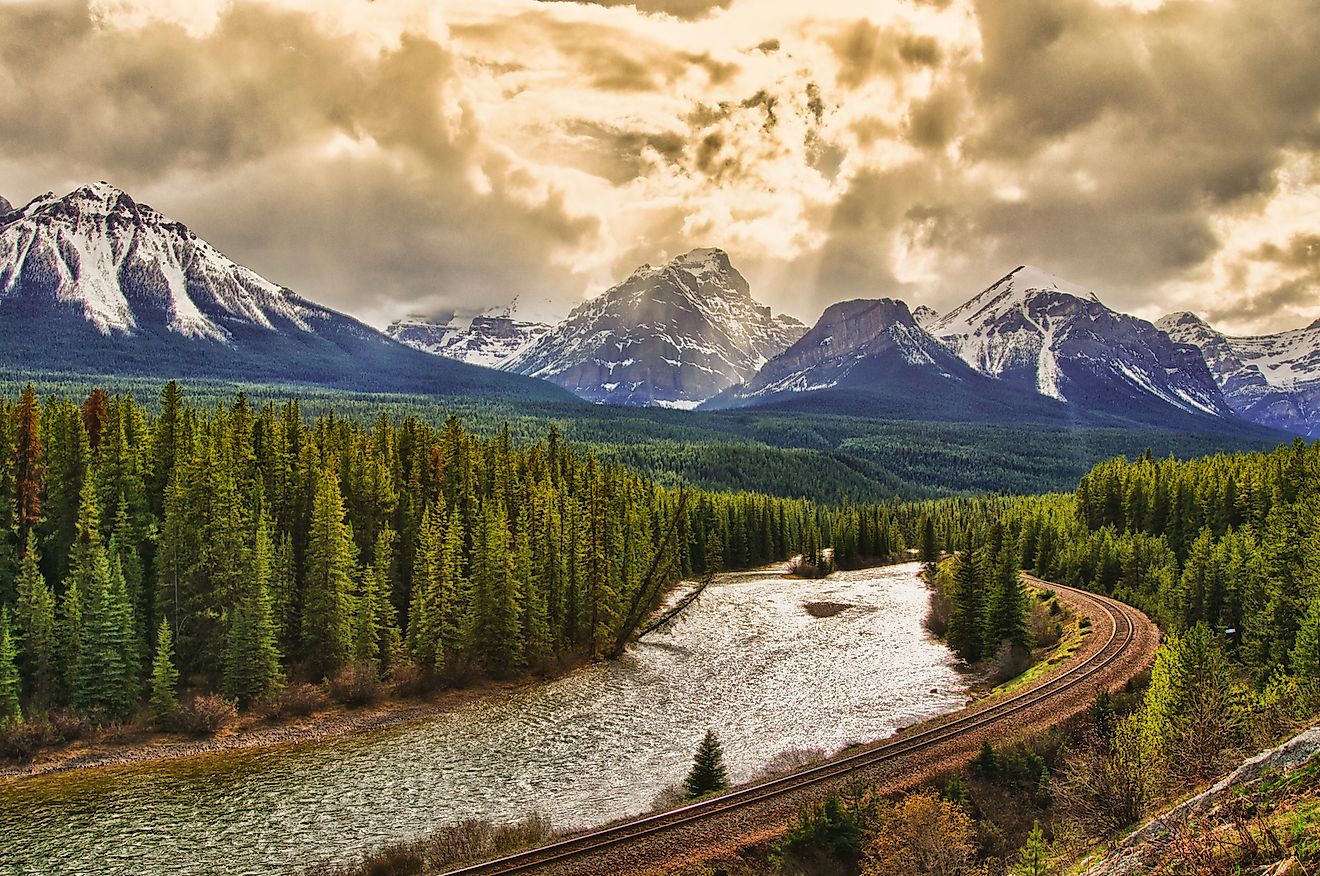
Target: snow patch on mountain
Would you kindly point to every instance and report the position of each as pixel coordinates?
(925, 316)
(489, 338)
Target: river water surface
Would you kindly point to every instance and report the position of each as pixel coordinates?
(747, 659)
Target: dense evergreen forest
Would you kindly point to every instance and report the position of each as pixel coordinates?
(818, 455)
(1229, 542)
(236, 548)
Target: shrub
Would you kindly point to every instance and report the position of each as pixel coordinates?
(294, 701)
(1010, 661)
(356, 684)
(21, 741)
(469, 840)
(408, 680)
(822, 839)
(206, 715)
(1045, 629)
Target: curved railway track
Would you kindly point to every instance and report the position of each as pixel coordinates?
(1125, 632)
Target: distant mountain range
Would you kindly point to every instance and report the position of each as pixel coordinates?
(95, 282)
(1273, 380)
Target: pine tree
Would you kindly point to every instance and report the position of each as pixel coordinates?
(967, 620)
(930, 552)
(327, 615)
(708, 774)
(35, 624)
(376, 635)
(11, 711)
(1009, 606)
(68, 629)
(251, 658)
(424, 612)
(164, 678)
(105, 681)
(497, 627)
(1034, 857)
(29, 465)
(534, 607)
(1305, 657)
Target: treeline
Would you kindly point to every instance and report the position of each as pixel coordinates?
(237, 548)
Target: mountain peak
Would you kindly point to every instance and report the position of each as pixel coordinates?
(5, 206)
(672, 336)
(1183, 319)
(700, 257)
(1028, 280)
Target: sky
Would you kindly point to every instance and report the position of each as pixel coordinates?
(403, 157)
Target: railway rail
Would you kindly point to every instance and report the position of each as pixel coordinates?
(1124, 651)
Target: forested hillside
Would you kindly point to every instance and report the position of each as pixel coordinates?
(236, 547)
(1228, 541)
(808, 452)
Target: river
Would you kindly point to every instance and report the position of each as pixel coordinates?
(747, 659)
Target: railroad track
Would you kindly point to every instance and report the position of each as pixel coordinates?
(1123, 633)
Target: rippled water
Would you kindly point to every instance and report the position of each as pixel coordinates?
(746, 659)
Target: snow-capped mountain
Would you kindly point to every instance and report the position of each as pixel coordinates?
(1273, 380)
(96, 281)
(5, 206)
(488, 339)
(855, 344)
(670, 336)
(1036, 331)
(925, 315)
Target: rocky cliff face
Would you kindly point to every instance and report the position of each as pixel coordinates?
(1146, 847)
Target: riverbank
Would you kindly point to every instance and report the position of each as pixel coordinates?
(141, 745)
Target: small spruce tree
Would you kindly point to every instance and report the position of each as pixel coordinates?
(1034, 858)
(164, 678)
(708, 774)
(11, 712)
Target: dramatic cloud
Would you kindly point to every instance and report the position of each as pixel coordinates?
(394, 156)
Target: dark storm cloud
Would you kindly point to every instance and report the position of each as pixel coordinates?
(866, 50)
(676, 8)
(1300, 251)
(933, 122)
(1300, 256)
(1124, 134)
(227, 131)
(618, 154)
(610, 59)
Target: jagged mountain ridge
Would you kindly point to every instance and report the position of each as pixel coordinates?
(488, 340)
(1041, 333)
(1030, 346)
(96, 282)
(670, 336)
(853, 344)
(1273, 380)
